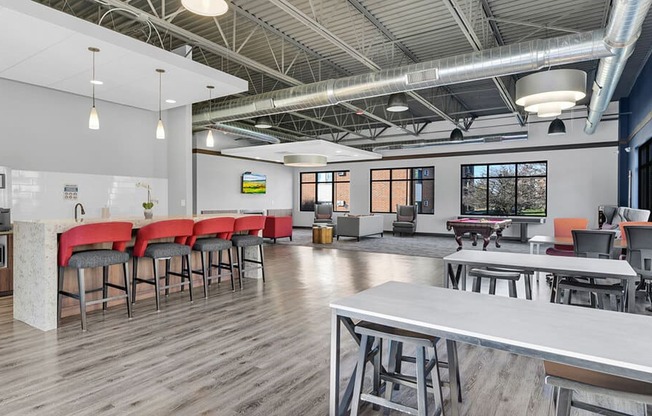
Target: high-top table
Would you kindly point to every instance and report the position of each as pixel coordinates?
(565, 266)
(609, 342)
(537, 240)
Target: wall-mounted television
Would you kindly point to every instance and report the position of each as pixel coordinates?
(253, 183)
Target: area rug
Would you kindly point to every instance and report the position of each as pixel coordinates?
(417, 245)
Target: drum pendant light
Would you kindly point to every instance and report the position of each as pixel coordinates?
(210, 142)
(160, 130)
(547, 93)
(206, 7)
(556, 128)
(94, 119)
(397, 103)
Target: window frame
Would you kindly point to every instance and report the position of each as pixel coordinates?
(316, 182)
(410, 180)
(645, 169)
(516, 177)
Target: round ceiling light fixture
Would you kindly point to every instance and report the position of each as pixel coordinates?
(547, 93)
(304, 161)
(263, 122)
(456, 135)
(206, 7)
(556, 128)
(397, 102)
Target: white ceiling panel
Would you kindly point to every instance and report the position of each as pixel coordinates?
(45, 47)
(274, 152)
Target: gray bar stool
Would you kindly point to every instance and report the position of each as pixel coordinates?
(512, 276)
(371, 347)
(216, 233)
(253, 226)
(568, 380)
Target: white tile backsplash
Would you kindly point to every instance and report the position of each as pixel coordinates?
(39, 195)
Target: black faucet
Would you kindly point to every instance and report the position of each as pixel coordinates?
(78, 204)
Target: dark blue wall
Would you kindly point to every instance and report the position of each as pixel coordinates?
(639, 104)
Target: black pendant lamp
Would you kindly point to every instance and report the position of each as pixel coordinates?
(456, 135)
(556, 128)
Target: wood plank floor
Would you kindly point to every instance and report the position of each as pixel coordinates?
(261, 351)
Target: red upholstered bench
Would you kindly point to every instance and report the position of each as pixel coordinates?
(278, 227)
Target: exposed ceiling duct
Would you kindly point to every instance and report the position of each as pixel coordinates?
(493, 138)
(624, 27)
(612, 47)
(504, 60)
(250, 133)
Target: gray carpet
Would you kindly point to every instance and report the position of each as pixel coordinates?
(417, 245)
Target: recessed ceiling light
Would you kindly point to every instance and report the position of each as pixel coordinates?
(170, 101)
(96, 82)
(338, 151)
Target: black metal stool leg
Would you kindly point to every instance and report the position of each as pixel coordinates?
(189, 276)
(262, 261)
(219, 266)
(203, 271)
(133, 279)
(231, 270)
(82, 297)
(157, 285)
(125, 273)
(105, 288)
(167, 276)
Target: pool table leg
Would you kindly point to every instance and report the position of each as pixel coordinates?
(458, 239)
(499, 235)
(474, 238)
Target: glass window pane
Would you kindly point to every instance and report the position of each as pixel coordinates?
(531, 196)
(325, 177)
(342, 176)
(532, 169)
(474, 196)
(424, 196)
(399, 194)
(380, 197)
(324, 193)
(502, 196)
(342, 196)
(381, 174)
(474, 171)
(399, 173)
(308, 177)
(423, 173)
(307, 197)
(502, 170)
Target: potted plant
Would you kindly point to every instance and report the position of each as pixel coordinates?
(149, 204)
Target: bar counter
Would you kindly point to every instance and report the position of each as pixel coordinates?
(35, 264)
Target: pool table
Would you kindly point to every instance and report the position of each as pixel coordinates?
(484, 227)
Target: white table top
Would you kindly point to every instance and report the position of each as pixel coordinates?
(611, 342)
(617, 269)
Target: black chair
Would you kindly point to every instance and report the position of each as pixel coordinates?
(639, 254)
(591, 244)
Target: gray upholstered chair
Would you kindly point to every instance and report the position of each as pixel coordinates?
(639, 254)
(323, 213)
(406, 220)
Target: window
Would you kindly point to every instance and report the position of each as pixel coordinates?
(404, 186)
(505, 189)
(325, 188)
(645, 176)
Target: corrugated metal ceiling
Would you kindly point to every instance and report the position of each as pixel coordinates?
(387, 34)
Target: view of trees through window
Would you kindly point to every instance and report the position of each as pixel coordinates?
(325, 187)
(505, 189)
(403, 186)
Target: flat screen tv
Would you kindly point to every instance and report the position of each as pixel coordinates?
(253, 183)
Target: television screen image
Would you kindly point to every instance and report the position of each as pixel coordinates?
(253, 183)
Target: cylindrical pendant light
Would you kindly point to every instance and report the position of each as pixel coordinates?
(160, 130)
(547, 93)
(93, 119)
(210, 142)
(397, 102)
(206, 7)
(263, 122)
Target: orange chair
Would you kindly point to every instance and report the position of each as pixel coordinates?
(215, 236)
(622, 225)
(563, 228)
(118, 233)
(250, 228)
(180, 230)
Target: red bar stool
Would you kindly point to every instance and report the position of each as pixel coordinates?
(118, 233)
(180, 230)
(221, 229)
(252, 225)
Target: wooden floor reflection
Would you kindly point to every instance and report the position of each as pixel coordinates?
(262, 351)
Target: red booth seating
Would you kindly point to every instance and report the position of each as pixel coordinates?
(278, 227)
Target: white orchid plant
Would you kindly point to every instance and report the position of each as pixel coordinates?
(150, 201)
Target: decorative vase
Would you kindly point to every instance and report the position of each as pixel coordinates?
(148, 214)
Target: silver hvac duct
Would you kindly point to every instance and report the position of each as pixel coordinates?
(495, 138)
(246, 132)
(505, 60)
(622, 32)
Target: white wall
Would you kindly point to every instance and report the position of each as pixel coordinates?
(218, 184)
(45, 131)
(578, 180)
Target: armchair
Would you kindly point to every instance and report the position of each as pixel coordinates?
(406, 220)
(277, 227)
(323, 213)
